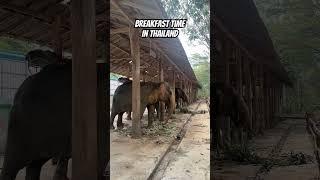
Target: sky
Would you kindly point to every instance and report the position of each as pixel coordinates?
(191, 48)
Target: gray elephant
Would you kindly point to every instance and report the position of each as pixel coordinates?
(151, 93)
(40, 122)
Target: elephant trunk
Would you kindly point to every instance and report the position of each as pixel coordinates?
(171, 105)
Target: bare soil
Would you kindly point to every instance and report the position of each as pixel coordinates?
(135, 159)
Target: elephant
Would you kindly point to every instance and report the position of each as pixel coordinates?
(40, 122)
(41, 58)
(124, 80)
(151, 93)
(180, 96)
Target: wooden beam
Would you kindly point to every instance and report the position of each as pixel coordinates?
(84, 90)
(119, 30)
(169, 59)
(26, 12)
(144, 7)
(116, 4)
(136, 109)
(126, 52)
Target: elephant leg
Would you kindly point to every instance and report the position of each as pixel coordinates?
(129, 115)
(61, 170)
(157, 107)
(150, 115)
(113, 115)
(143, 108)
(119, 122)
(34, 169)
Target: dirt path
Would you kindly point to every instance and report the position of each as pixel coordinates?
(135, 159)
(288, 153)
(191, 159)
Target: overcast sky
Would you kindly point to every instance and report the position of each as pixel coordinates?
(191, 48)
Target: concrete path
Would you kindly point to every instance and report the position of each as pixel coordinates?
(191, 160)
(277, 143)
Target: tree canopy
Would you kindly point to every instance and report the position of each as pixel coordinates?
(198, 14)
(294, 28)
(197, 29)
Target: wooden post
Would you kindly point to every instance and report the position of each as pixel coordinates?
(262, 98)
(135, 54)
(103, 129)
(266, 100)
(57, 41)
(248, 90)
(173, 90)
(84, 89)
(226, 66)
(161, 79)
(239, 89)
(103, 99)
(253, 98)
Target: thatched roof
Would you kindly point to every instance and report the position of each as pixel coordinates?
(33, 21)
(242, 20)
(171, 50)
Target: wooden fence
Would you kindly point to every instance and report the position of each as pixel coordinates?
(315, 134)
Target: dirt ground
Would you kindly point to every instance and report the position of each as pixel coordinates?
(288, 148)
(135, 159)
(191, 160)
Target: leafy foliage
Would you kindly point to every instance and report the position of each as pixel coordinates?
(201, 68)
(9, 44)
(198, 14)
(294, 28)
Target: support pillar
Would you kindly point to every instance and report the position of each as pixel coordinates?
(135, 54)
(161, 79)
(173, 90)
(84, 89)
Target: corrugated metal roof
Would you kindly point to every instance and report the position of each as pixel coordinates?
(14, 56)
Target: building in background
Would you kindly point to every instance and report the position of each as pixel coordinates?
(13, 71)
(114, 83)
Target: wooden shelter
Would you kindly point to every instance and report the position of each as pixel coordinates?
(159, 59)
(246, 62)
(81, 27)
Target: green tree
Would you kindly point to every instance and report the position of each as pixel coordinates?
(9, 44)
(201, 67)
(294, 28)
(198, 14)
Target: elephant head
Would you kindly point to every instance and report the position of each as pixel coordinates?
(41, 58)
(166, 95)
